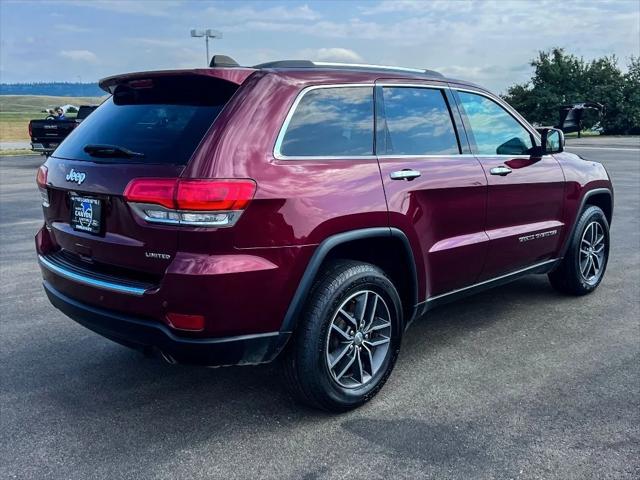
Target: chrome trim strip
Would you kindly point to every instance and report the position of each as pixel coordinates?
(92, 282)
(139, 209)
(387, 83)
(491, 280)
(283, 129)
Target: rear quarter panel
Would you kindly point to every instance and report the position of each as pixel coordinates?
(297, 204)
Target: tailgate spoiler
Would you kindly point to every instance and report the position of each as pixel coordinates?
(235, 75)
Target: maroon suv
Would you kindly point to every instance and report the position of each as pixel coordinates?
(306, 211)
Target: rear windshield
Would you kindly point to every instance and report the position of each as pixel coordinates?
(159, 120)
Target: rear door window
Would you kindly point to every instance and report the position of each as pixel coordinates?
(160, 120)
(330, 122)
(417, 121)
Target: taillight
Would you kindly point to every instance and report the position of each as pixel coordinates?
(209, 203)
(160, 191)
(214, 195)
(41, 176)
(41, 180)
(30, 130)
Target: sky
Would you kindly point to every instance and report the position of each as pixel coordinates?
(488, 42)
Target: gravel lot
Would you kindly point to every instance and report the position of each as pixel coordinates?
(517, 382)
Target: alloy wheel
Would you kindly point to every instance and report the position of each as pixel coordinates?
(592, 252)
(358, 339)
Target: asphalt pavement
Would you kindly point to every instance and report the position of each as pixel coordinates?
(514, 383)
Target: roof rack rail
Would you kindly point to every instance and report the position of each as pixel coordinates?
(287, 64)
(346, 66)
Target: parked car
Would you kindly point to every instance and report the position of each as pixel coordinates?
(307, 212)
(47, 134)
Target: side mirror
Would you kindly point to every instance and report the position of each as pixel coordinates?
(552, 140)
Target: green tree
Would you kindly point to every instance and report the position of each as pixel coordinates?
(560, 78)
(631, 105)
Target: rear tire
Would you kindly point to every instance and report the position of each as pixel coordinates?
(583, 266)
(347, 340)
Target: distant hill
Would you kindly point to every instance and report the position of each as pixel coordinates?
(57, 89)
(37, 103)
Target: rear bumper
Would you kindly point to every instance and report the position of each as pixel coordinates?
(142, 334)
(42, 147)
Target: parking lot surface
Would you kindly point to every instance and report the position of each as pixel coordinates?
(517, 382)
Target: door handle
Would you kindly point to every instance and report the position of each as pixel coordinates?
(406, 174)
(501, 170)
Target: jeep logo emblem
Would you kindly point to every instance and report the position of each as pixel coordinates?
(74, 176)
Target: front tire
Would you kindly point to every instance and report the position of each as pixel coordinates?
(582, 268)
(347, 340)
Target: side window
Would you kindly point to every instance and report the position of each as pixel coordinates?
(331, 122)
(418, 122)
(494, 130)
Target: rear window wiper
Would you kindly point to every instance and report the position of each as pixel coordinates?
(105, 150)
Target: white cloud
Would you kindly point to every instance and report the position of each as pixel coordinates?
(335, 54)
(276, 14)
(79, 55)
(63, 27)
(490, 42)
(154, 8)
(415, 6)
(156, 42)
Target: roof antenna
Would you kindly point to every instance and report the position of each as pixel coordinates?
(223, 61)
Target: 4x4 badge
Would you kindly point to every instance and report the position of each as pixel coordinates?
(74, 176)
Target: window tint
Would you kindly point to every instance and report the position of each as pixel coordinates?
(331, 122)
(418, 122)
(495, 131)
(164, 121)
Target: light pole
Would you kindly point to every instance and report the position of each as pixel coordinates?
(207, 34)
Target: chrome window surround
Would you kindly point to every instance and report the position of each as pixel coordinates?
(90, 281)
(283, 129)
(430, 86)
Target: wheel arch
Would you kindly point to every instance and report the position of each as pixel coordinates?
(367, 245)
(599, 197)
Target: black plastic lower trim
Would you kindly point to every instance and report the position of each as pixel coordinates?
(583, 202)
(297, 303)
(144, 334)
(543, 267)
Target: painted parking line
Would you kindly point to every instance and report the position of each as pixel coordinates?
(629, 149)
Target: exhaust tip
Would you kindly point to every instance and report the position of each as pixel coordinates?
(168, 358)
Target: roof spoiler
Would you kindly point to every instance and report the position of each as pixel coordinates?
(236, 75)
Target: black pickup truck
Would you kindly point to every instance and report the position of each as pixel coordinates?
(46, 135)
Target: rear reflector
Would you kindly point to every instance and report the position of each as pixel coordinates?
(180, 321)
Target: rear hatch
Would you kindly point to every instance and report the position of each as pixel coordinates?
(149, 128)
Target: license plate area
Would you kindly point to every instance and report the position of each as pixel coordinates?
(86, 214)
